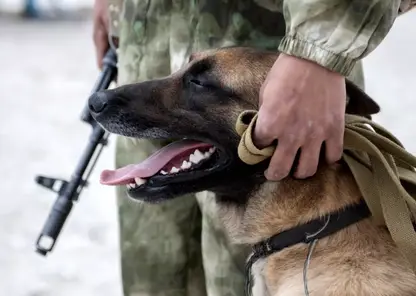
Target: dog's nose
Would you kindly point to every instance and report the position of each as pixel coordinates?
(98, 101)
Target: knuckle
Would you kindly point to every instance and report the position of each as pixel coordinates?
(264, 131)
(291, 139)
(285, 152)
(293, 135)
(334, 123)
(262, 137)
(316, 133)
(266, 128)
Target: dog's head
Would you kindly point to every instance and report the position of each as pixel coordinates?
(196, 109)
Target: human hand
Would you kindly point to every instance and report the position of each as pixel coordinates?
(100, 30)
(302, 105)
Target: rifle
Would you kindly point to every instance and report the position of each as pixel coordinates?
(69, 191)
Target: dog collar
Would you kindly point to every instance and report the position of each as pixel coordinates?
(306, 233)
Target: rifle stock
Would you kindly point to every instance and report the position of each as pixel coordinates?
(69, 191)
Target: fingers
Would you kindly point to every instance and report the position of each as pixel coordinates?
(310, 142)
(309, 159)
(266, 129)
(334, 145)
(282, 160)
(105, 18)
(261, 136)
(302, 105)
(100, 30)
(101, 44)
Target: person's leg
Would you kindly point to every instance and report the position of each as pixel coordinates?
(223, 261)
(160, 244)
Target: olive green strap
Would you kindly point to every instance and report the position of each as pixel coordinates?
(383, 169)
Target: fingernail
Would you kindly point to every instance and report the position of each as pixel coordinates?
(304, 175)
(300, 176)
(273, 176)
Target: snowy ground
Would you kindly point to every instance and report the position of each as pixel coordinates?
(47, 72)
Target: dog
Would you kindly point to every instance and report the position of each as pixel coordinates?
(196, 109)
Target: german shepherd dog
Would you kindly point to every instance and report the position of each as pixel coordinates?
(196, 110)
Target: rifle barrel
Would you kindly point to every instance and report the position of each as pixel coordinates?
(69, 191)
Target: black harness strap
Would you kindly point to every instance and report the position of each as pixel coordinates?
(306, 233)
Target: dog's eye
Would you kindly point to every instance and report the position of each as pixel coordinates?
(201, 84)
(197, 82)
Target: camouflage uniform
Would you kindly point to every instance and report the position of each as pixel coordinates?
(178, 248)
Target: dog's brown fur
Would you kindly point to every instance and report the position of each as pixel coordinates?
(358, 260)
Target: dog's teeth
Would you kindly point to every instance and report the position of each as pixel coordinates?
(196, 157)
(185, 165)
(211, 150)
(139, 181)
(163, 172)
(198, 154)
(131, 185)
(207, 154)
(174, 170)
(193, 158)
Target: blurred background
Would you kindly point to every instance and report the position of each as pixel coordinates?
(46, 75)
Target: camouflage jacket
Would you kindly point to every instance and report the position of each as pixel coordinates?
(333, 33)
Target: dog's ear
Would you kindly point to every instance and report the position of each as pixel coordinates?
(359, 102)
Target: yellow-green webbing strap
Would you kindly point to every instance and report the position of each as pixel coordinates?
(383, 169)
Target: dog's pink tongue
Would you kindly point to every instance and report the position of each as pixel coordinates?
(151, 165)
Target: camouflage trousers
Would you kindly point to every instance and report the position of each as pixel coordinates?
(179, 247)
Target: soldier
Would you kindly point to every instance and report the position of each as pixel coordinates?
(178, 248)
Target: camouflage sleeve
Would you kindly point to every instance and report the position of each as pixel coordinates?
(334, 33)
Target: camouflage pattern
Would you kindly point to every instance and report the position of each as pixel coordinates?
(179, 248)
(333, 33)
(352, 29)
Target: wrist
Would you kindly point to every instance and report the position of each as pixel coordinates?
(309, 66)
(304, 49)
